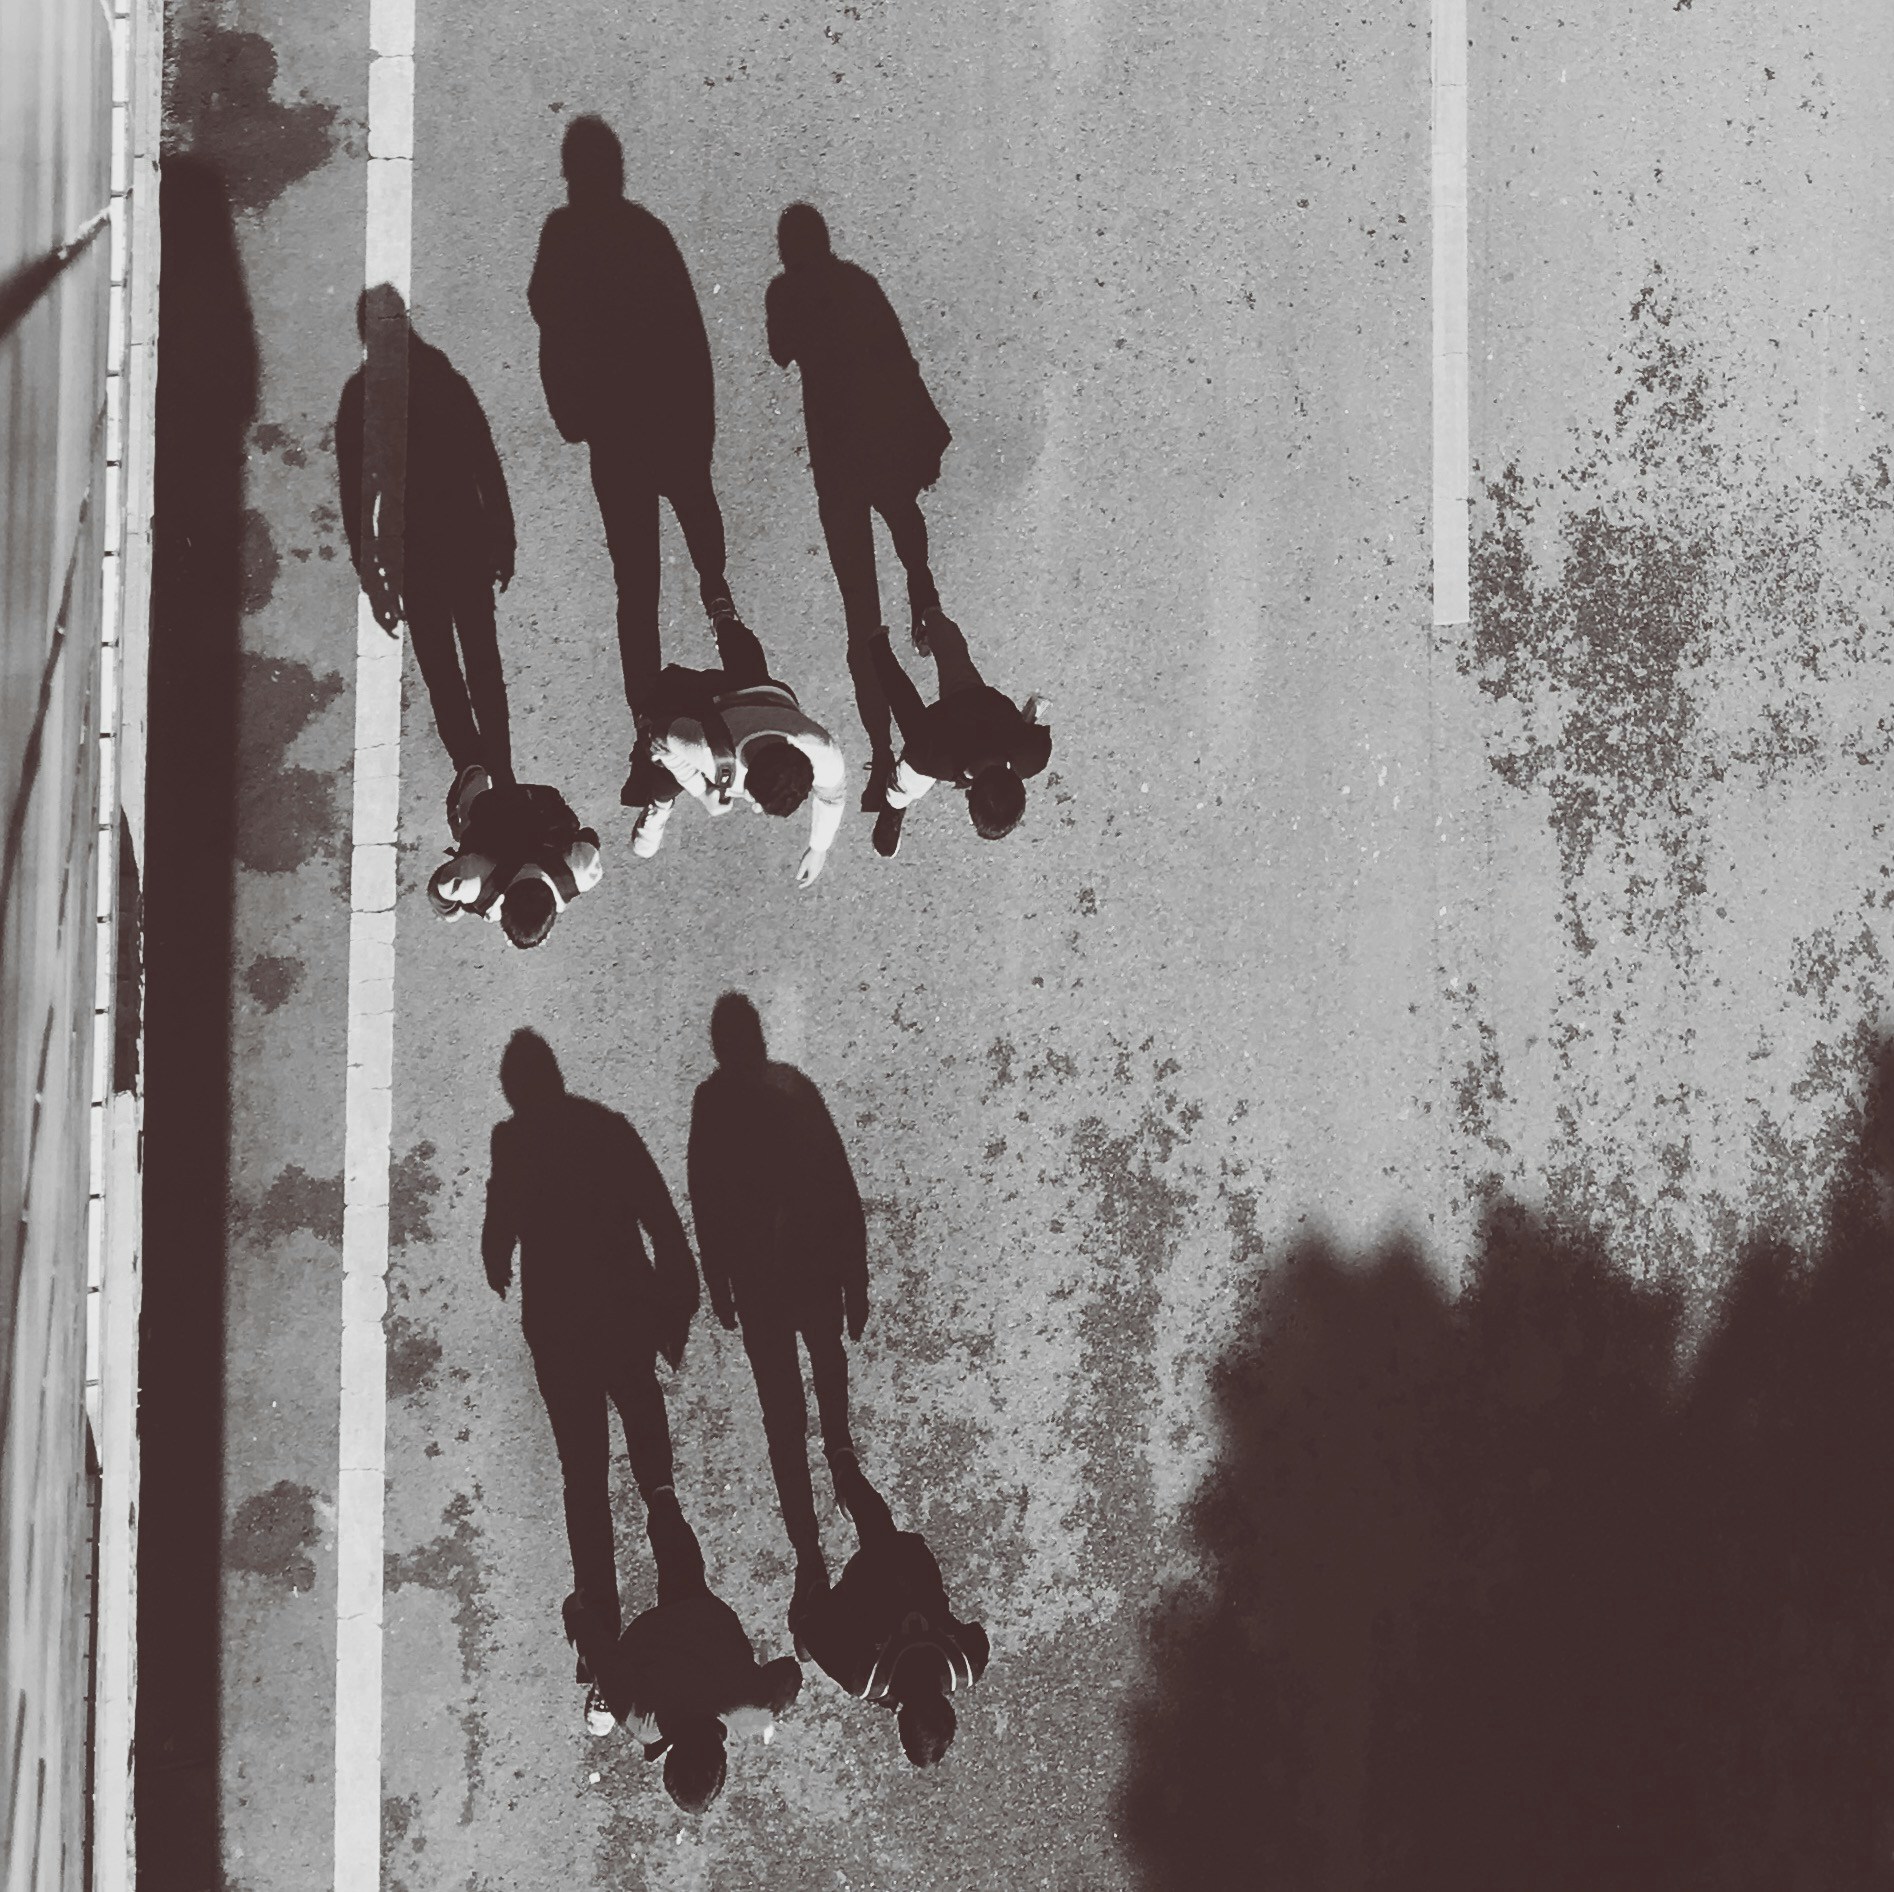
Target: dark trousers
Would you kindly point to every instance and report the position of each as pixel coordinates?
(771, 1345)
(457, 645)
(679, 692)
(845, 511)
(628, 489)
(576, 1405)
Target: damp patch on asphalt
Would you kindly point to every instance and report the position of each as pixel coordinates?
(272, 1534)
(299, 1203)
(270, 979)
(412, 1187)
(287, 815)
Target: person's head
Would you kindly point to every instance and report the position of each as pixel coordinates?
(801, 236)
(694, 1765)
(527, 911)
(736, 1032)
(529, 1073)
(996, 800)
(593, 161)
(923, 1712)
(778, 776)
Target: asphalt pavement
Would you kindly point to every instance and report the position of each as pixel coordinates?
(1180, 1114)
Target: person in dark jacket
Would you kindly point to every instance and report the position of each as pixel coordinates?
(972, 736)
(519, 857)
(625, 362)
(682, 1677)
(875, 441)
(885, 1631)
(430, 527)
(784, 1244)
(576, 1192)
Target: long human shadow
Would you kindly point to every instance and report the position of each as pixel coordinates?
(1505, 1594)
(624, 359)
(875, 436)
(429, 523)
(784, 1244)
(607, 1284)
(206, 399)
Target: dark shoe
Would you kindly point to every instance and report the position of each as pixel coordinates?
(812, 1585)
(880, 775)
(923, 623)
(888, 832)
(469, 783)
(722, 610)
(628, 796)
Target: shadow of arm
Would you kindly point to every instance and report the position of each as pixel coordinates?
(706, 1184)
(500, 1231)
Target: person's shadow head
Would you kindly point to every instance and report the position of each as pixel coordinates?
(381, 311)
(802, 237)
(593, 161)
(530, 1078)
(736, 1033)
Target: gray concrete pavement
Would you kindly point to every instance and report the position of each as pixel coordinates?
(1322, 922)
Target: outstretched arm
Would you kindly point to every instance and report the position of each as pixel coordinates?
(490, 483)
(776, 323)
(675, 1266)
(708, 1211)
(499, 1233)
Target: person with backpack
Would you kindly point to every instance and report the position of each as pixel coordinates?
(730, 736)
(885, 1632)
(519, 856)
(972, 735)
(682, 1677)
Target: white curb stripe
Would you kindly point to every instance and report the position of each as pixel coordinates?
(1452, 453)
(369, 1102)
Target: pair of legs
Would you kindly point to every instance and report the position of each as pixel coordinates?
(576, 1405)
(457, 646)
(629, 487)
(774, 1360)
(848, 526)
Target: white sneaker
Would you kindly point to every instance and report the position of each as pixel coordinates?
(647, 832)
(599, 1719)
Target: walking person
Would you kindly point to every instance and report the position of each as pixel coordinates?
(625, 362)
(519, 857)
(875, 442)
(430, 528)
(576, 1192)
(682, 1676)
(734, 736)
(885, 1632)
(784, 1244)
(972, 735)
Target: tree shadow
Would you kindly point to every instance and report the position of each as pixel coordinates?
(1503, 1593)
(206, 400)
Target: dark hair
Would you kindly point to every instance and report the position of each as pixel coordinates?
(927, 1725)
(592, 158)
(527, 911)
(802, 237)
(779, 777)
(694, 1767)
(996, 800)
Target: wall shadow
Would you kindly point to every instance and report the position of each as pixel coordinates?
(1502, 1595)
(206, 400)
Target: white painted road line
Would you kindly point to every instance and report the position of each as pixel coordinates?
(369, 1097)
(1452, 451)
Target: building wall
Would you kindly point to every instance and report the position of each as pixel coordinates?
(56, 91)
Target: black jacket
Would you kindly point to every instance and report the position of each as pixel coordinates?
(890, 1599)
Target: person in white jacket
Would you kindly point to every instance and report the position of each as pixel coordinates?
(735, 735)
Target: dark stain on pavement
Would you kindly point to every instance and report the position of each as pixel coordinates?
(292, 813)
(221, 105)
(272, 1534)
(413, 1355)
(297, 1202)
(260, 562)
(450, 1563)
(270, 980)
(399, 1820)
(412, 1187)
(1690, 610)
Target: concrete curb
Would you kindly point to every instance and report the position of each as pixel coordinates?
(113, 1252)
